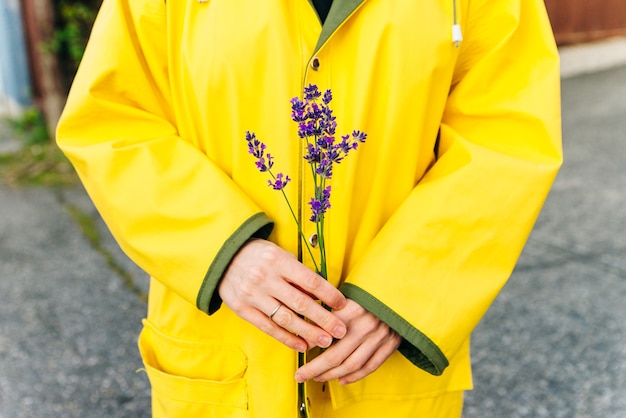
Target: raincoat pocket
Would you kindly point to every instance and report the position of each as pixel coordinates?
(194, 378)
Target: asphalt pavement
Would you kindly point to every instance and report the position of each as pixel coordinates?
(553, 344)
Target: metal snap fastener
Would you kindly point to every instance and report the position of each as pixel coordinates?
(313, 240)
(315, 63)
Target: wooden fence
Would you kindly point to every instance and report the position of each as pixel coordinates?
(576, 21)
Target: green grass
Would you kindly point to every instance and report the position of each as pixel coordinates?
(37, 165)
(38, 162)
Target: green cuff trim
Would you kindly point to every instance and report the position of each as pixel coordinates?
(416, 347)
(258, 226)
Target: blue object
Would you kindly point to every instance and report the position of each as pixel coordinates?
(15, 88)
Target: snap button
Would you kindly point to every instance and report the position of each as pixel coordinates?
(313, 240)
(315, 63)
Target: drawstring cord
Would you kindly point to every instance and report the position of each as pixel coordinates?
(457, 36)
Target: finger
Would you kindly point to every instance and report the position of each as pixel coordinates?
(259, 270)
(351, 363)
(297, 287)
(365, 359)
(313, 284)
(262, 322)
(327, 325)
(374, 362)
(361, 324)
(328, 360)
(284, 317)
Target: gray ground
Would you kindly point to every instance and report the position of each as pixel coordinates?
(554, 343)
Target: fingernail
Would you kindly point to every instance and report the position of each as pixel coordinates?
(325, 341)
(339, 331)
(301, 348)
(299, 378)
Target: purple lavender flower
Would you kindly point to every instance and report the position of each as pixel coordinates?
(313, 155)
(359, 136)
(307, 129)
(298, 110)
(257, 149)
(335, 155)
(313, 119)
(280, 181)
(328, 96)
(317, 127)
(262, 165)
(311, 92)
(320, 205)
(315, 111)
(346, 145)
(330, 125)
(325, 142)
(324, 169)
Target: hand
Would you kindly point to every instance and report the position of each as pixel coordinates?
(366, 346)
(263, 279)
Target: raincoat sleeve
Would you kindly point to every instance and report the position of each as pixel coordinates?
(440, 260)
(171, 209)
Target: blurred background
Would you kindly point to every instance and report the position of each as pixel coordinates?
(553, 344)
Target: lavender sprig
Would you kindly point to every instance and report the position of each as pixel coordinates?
(317, 127)
(257, 149)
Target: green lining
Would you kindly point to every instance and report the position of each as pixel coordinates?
(321, 8)
(416, 347)
(338, 13)
(258, 226)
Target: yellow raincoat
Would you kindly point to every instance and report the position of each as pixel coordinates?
(155, 126)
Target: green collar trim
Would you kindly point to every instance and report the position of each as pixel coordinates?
(338, 13)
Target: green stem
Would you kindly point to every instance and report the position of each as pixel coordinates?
(295, 218)
(320, 234)
(306, 244)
